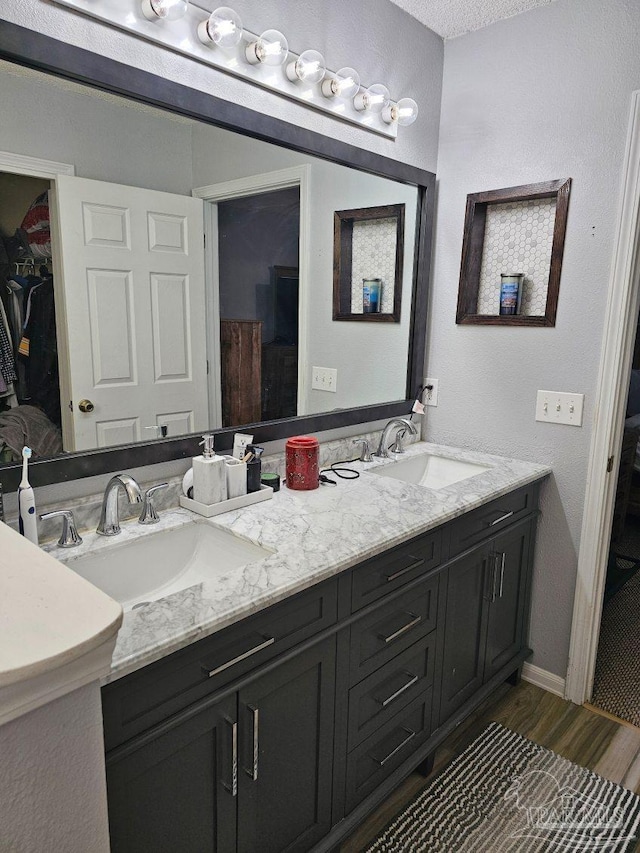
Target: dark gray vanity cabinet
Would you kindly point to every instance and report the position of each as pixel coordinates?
(280, 733)
(484, 612)
(174, 790)
(250, 772)
(286, 743)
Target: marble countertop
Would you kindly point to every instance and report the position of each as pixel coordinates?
(313, 536)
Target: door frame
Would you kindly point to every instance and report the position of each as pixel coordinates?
(613, 382)
(295, 176)
(37, 167)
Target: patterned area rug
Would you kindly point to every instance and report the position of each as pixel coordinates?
(616, 688)
(506, 794)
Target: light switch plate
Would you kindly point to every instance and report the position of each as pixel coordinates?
(324, 379)
(559, 407)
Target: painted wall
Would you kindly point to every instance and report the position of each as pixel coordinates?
(106, 138)
(540, 96)
(254, 235)
(64, 810)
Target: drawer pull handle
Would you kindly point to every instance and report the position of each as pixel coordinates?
(414, 621)
(415, 565)
(268, 641)
(233, 787)
(501, 574)
(410, 683)
(410, 735)
(502, 518)
(253, 771)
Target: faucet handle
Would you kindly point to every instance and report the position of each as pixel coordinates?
(398, 447)
(365, 451)
(69, 537)
(149, 514)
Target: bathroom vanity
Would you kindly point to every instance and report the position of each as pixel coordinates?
(285, 724)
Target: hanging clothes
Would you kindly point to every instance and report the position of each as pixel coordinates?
(7, 359)
(38, 351)
(7, 389)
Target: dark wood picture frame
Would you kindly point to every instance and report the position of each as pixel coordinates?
(343, 222)
(473, 245)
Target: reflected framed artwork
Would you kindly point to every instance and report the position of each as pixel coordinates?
(368, 252)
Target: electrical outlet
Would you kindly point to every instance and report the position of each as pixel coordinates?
(559, 407)
(324, 379)
(430, 395)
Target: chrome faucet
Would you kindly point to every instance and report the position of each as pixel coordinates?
(109, 522)
(402, 423)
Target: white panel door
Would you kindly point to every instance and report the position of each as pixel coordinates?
(131, 292)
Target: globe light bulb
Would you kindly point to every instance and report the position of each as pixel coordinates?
(343, 84)
(309, 67)
(166, 10)
(223, 28)
(404, 113)
(374, 99)
(271, 48)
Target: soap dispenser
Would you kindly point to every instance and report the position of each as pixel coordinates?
(209, 475)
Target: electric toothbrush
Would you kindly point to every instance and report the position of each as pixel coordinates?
(26, 502)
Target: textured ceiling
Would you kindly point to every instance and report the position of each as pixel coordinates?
(451, 18)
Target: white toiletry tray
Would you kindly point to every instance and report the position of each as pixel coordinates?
(209, 510)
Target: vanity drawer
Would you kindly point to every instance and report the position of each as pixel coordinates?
(134, 703)
(390, 629)
(489, 519)
(376, 758)
(380, 696)
(385, 573)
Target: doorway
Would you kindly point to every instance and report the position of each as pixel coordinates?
(258, 274)
(30, 403)
(617, 349)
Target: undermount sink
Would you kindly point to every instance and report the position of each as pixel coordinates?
(432, 472)
(159, 564)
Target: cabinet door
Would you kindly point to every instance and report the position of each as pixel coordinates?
(177, 791)
(464, 632)
(508, 569)
(286, 735)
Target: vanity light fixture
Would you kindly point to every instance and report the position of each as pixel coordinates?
(345, 83)
(309, 67)
(165, 10)
(220, 39)
(404, 113)
(222, 28)
(271, 48)
(374, 99)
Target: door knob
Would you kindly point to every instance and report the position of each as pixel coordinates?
(86, 406)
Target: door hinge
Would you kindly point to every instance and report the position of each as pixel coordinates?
(204, 240)
(207, 367)
(609, 464)
(70, 405)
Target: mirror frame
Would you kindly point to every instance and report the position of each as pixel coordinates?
(42, 53)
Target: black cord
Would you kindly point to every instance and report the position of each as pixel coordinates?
(339, 470)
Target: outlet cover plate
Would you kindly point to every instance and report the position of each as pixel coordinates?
(430, 398)
(559, 407)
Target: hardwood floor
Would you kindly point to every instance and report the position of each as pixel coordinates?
(583, 736)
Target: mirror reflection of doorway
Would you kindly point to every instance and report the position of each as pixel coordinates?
(258, 256)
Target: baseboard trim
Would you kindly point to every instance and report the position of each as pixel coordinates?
(542, 678)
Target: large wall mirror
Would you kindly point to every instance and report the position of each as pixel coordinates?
(175, 277)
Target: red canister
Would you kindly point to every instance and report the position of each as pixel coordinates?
(302, 453)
